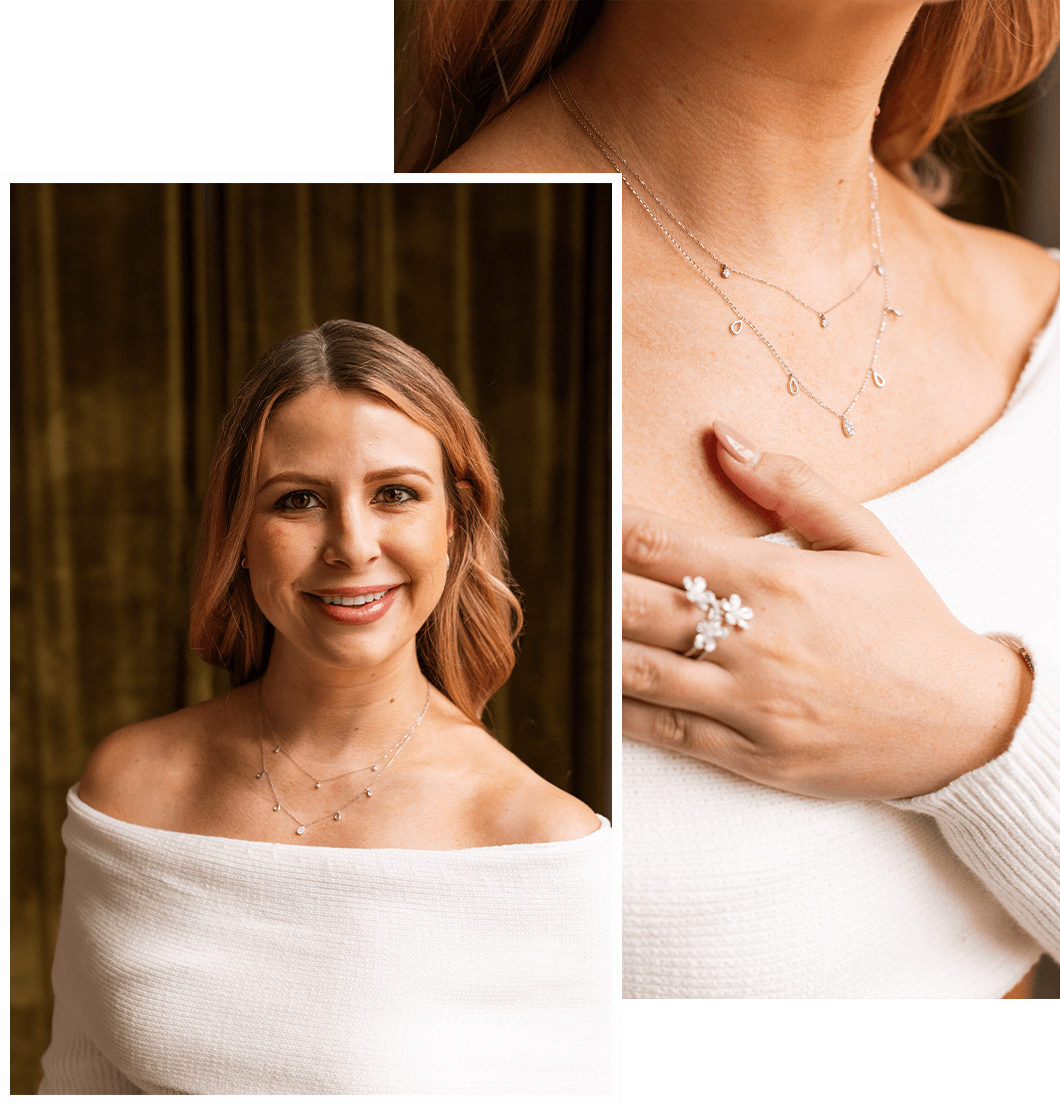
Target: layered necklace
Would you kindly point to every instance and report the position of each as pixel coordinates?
(377, 768)
(726, 270)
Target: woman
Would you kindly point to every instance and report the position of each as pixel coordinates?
(333, 879)
(771, 719)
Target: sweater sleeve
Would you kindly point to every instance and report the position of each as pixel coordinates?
(74, 1065)
(1003, 819)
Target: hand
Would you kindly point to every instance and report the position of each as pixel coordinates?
(852, 681)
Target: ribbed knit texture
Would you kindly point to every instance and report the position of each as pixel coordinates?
(201, 965)
(735, 890)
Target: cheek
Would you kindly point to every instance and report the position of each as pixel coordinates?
(274, 545)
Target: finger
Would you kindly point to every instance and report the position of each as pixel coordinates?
(807, 502)
(663, 678)
(691, 734)
(667, 550)
(657, 614)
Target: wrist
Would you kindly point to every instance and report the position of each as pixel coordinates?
(1006, 682)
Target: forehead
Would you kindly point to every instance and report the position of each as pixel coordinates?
(332, 429)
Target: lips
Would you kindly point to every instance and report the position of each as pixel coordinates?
(354, 600)
(357, 605)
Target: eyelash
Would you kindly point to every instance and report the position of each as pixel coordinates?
(285, 504)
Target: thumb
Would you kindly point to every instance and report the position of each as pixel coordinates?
(806, 501)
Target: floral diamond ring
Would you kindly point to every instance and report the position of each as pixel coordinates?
(720, 615)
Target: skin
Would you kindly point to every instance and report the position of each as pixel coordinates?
(753, 122)
(350, 494)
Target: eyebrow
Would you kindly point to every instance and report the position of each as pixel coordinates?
(370, 477)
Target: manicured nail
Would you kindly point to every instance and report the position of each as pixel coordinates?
(735, 444)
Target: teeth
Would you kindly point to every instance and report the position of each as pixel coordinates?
(353, 600)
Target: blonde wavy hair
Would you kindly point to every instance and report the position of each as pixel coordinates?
(466, 646)
(465, 61)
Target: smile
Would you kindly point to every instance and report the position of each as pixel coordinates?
(362, 609)
(353, 600)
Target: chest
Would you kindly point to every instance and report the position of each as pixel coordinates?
(943, 382)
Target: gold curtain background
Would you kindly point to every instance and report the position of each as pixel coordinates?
(136, 309)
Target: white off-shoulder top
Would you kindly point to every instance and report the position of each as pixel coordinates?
(203, 965)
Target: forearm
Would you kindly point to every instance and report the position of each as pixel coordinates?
(1003, 818)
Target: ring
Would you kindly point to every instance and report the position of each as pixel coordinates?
(721, 614)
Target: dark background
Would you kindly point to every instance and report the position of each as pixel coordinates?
(136, 309)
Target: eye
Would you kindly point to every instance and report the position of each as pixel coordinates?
(298, 500)
(395, 495)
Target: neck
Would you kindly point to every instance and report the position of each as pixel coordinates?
(330, 715)
(751, 120)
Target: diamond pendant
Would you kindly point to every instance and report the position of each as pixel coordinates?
(300, 830)
(848, 427)
(725, 271)
(276, 808)
(877, 379)
(338, 815)
(317, 786)
(736, 327)
(793, 386)
(824, 322)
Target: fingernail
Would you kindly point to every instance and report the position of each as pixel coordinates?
(735, 444)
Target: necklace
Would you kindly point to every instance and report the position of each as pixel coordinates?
(795, 385)
(380, 766)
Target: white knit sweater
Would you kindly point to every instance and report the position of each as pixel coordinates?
(735, 890)
(202, 965)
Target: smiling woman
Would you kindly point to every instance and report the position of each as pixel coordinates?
(352, 584)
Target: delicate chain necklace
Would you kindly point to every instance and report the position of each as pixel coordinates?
(598, 139)
(384, 761)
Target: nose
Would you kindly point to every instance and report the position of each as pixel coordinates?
(352, 538)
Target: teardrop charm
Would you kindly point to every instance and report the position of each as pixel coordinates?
(317, 787)
(877, 379)
(259, 774)
(375, 767)
(726, 271)
(338, 815)
(276, 808)
(300, 830)
(736, 327)
(824, 322)
(368, 793)
(848, 427)
(275, 750)
(793, 386)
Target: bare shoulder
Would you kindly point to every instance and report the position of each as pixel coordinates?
(1022, 276)
(535, 135)
(142, 773)
(514, 805)
(1006, 284)
(537, 811)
